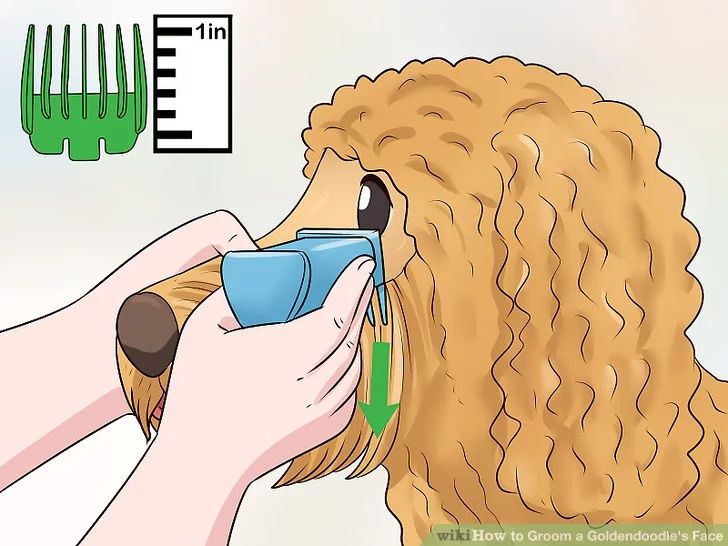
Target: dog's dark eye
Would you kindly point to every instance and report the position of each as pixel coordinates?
(374, 204)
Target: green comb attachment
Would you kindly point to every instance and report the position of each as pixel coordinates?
(83, 118)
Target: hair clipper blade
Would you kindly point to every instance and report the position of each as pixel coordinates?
(377, 275)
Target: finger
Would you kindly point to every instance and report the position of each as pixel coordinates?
(350, 341)
(332, 322)
(188, 245)
(342, 390)
(341, 415)
(324, 375)
(334, 421)
(212, 315)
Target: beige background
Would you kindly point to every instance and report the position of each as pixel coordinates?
(65, 225)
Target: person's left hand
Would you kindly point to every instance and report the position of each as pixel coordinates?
(187, 246)
(67, 359)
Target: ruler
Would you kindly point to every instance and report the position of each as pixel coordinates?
(192, 111)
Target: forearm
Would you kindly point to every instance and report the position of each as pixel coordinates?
(175, 496)
(58, 385)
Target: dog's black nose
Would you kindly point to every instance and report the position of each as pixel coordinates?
(147, 332)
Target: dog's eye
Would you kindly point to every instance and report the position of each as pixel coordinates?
(374, 204)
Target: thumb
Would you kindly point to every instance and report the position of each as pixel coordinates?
(187, 246)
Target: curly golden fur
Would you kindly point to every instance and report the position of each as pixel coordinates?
(538, 335)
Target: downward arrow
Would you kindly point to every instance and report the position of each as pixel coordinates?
(377, 412)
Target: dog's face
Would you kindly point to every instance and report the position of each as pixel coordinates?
(341, 194)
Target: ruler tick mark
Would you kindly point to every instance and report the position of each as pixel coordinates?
(174, 31)
(183, 135)
(166, 93)
(165, 72)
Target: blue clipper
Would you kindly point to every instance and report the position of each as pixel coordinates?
(283, 282)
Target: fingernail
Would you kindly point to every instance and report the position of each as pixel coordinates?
(367, 266)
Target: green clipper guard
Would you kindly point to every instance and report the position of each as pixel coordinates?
(84, 118)
(285, 281)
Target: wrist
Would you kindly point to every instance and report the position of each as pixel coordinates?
(173, 497)
(222, 473)
(60, 361)
(190, 479)
(89, 326)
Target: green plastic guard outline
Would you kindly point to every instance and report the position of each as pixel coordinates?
(67, 116)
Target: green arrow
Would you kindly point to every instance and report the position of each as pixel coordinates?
(377, 412)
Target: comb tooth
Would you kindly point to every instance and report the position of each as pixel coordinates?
(26, 83)
(45, 77)
(382, 297)
(64, 71)
(370, 314)
(140, 83)
(84, 90)
(102, 73)
(120, 75)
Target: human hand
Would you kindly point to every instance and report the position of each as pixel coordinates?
(243, 401)
(186, 246)
(240, 402)
(75, 348)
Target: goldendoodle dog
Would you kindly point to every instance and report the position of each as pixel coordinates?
(536, 259)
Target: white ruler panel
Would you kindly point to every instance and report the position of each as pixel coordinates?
(193, 83)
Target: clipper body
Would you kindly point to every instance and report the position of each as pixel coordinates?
(285, 281)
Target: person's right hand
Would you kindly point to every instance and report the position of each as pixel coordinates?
(246, 400)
